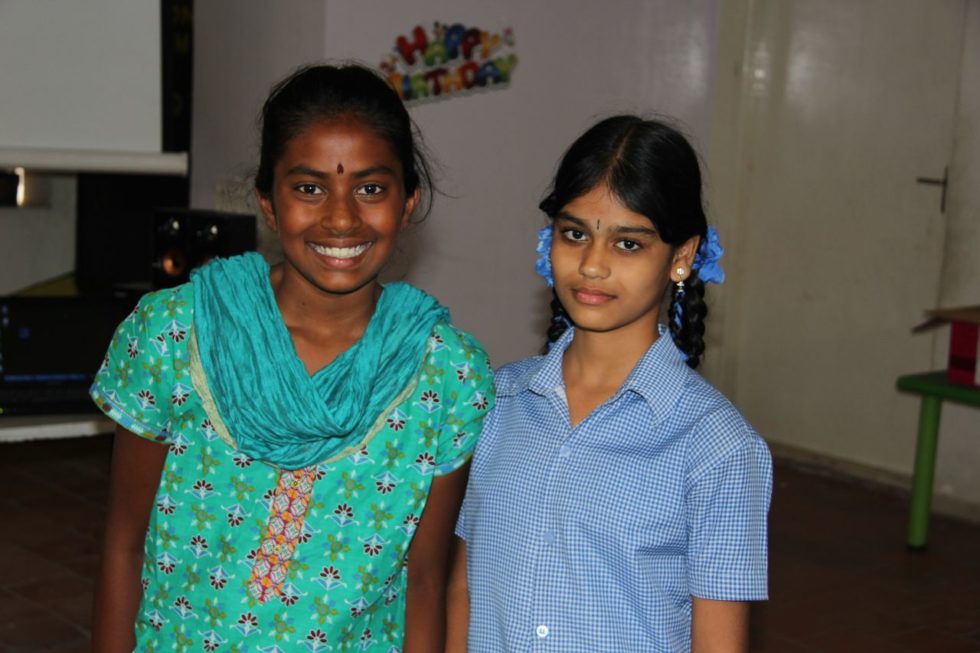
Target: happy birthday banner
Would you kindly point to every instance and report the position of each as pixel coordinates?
(449, 60)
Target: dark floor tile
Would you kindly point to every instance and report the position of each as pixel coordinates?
(67, 547)
(85, 566)
(886, 599)
(14, 484)
(82, 646)
(19, 565)
(799, 614)
(947, 615)
(68, 596)
(841, 578)
(59, 521)
(768, 642)
(26, 627)
(854, 629)
(76, 610)
(929, 639)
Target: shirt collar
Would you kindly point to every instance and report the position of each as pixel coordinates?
(547, 377)
(659, 376)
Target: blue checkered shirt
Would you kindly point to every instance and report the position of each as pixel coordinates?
(594, 539)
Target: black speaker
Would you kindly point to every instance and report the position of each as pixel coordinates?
(186, 238)
(114, 230)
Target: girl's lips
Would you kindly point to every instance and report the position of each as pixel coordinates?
(591, 296)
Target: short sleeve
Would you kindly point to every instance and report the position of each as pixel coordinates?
(143, 379)
(468, 392)
(477, 470)
(727, 508)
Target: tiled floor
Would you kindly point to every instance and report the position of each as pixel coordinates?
(52, 497)
(841, 578)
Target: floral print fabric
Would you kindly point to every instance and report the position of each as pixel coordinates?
(242, 557)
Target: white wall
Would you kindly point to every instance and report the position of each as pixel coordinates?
(959, 440)
(821, 128)
(235, 62)
(80, 75)
(497, 150)
(38, 242)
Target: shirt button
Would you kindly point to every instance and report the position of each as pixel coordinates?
(549, 537)
(542, 631)
(565, 451)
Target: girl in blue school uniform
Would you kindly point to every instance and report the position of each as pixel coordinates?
(292, 441)
(617, 501)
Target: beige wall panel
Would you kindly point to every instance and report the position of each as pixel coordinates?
(847, 102)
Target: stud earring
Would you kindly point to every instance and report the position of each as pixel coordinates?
(680, 281)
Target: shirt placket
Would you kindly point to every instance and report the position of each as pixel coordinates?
(549, 610)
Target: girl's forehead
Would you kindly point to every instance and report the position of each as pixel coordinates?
(341, 128)
(348, 141)
(600, 208)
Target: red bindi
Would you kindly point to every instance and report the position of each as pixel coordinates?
(340, 168)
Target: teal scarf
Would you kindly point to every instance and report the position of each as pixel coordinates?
(274, 410)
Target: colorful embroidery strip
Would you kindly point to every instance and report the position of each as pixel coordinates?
(283, 533)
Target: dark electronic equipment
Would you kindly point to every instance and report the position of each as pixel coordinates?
(50, 350)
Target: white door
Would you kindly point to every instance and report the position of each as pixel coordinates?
(839, 249)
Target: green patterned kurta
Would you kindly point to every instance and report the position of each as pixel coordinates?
(241, 557)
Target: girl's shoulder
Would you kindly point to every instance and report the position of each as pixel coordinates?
(161, 318)
(513, 377)
(715, 427)
(451, 339)
(459, 358)
(166, 304)
(699, 397)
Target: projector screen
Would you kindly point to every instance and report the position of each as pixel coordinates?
(80, 77)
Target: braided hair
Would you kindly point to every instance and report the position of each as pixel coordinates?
(652, 169)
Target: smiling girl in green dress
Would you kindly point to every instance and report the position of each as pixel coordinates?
(292, 441)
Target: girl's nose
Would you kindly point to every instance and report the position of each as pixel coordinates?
(594, 264)
(340, 216)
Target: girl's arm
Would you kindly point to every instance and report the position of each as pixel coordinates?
(429, 562)
(134, 478)
(719, 626)
(458, 610)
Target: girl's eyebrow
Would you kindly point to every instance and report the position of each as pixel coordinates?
(571, 218)
(306, 170)
(621, 229)
(320, 174)
(373, 170)
(646, 231)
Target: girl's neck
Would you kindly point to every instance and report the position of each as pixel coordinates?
(596, 364)
(321, 325)
(599, 360)
(303, 302)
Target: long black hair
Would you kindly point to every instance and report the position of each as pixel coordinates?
(652, 169)
(324, 92)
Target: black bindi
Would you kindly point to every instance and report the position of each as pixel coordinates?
(340, 168)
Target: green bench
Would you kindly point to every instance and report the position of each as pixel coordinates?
(934, 389)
